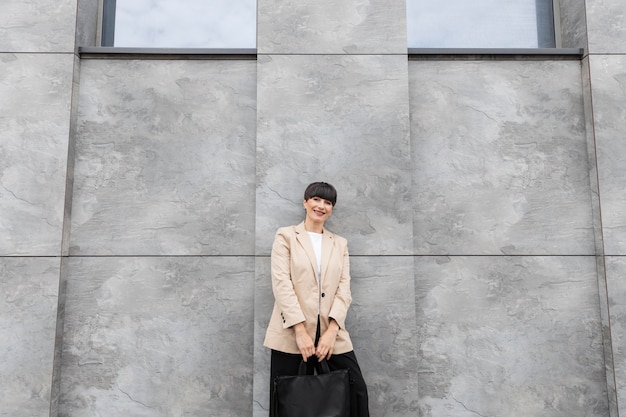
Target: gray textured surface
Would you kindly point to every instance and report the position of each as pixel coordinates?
(263, 304)
(603, 290)
(158, 336)
(509, 336)
(573, 23)
(28, 306)
(165, 158)
(592, 158)
(616, 270)
(503, 175)
(37, 25)
(606, 29)
(341, 119)
(609, 88)
(35, 93)
(331, 27)
(382, 325)
(87, 22)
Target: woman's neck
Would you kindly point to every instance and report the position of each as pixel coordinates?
(313, 226)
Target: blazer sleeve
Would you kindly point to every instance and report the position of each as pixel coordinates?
(343, 297)
(282, 286)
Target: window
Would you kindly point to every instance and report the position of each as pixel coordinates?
(179, 23)
(480, 24)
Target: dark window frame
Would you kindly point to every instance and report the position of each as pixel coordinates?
(108, 23)
(546, 27)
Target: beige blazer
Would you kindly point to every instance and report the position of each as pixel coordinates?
(295, 287)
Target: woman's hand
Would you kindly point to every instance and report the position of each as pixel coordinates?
(327, 341)
(304, 341)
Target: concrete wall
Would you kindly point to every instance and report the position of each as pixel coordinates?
(604, 76)
(160, 283)
(508, 312)
(482, 199)
(37, 74)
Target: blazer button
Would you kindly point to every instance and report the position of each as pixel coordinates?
(323, 294)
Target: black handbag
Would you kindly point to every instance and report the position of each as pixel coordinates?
(326, 394)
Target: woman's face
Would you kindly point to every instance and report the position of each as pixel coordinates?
(318, 209)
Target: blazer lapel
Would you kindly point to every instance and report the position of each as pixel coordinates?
(303, 238)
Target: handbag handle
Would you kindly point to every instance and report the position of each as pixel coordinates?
(323, 365)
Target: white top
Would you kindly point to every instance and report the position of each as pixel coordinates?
(316, 240)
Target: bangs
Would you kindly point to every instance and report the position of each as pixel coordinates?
(321, 190)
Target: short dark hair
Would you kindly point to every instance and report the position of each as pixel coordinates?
(321, 190)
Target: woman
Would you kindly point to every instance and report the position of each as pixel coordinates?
(311, 285)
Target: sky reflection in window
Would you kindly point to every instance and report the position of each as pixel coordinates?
(185, 23)
(472, 24)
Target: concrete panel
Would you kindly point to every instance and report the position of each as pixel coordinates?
(87, 23)
(263, 304)
(616, 285)
(37, 25)
(509, 337)
(500, 158)
(71, 161)
(573, 23)
(608, 82)
(28, 313)
(158, 337)
(592, 158)
(165, 155)
(328, 27)
(603, 295)
(344, 120)
(381, 322)
(605, 26)
(35, 125)
(383, 327)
